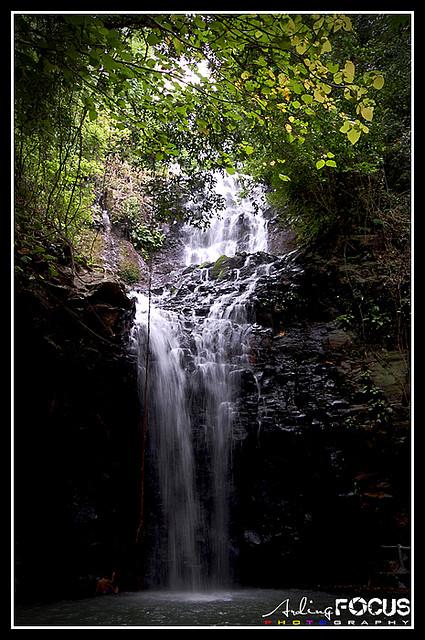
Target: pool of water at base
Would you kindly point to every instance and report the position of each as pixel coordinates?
(162, 608)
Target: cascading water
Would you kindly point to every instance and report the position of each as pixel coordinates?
(236, 229)
(110, 248)
(199, 346)
(171, 430)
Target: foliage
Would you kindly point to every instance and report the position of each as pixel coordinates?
(379, 408)
(321, 185)
(290, 99)
(146, 239)
(139, 202)
(346, 320)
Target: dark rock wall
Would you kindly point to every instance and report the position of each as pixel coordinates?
(76, 437)
(322, 472)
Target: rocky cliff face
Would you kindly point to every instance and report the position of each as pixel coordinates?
(320, 446)
(76, 434)
(322, 482)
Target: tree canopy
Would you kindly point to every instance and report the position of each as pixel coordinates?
(274, 94)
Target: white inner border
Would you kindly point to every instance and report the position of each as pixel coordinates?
(203, 12)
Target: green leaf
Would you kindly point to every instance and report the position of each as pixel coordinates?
(284, 44)
(199, 22)
(153, 38)
(248, 149)
(108, 62)
(245, 75)
(353, 135)
(367, 113)
(349, 71)
(330, 154)
(330, 163)
(378, 82)
(326, 46)
(231, 170)
(296, 87)
(296, 104)
(179, 47)
(347, 26)
(307, 98)
(333, 68)
(92, 114)
(285, 178)
(320, 164)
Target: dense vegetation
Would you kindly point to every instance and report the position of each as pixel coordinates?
(315, 107)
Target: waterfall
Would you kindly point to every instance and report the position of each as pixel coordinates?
(197, 356)
(235, 229)
(110, 256)
(170, 424)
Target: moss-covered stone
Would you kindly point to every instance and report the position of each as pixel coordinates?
(130, 273)
(128, 266)
(220, 267)
(390, 373)
(223, 273)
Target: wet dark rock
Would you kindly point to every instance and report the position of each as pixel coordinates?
(281, 240)
(339, 339)
(108, 291)
(339, 404)
(389, 372)
(252, 538)
(312, 423)
(76, 437)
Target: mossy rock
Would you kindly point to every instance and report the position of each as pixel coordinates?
(223, 273)
(128, 266)
(221, 267)
(130, 273)
(390, 374)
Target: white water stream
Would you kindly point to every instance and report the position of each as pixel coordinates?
(194, 374)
